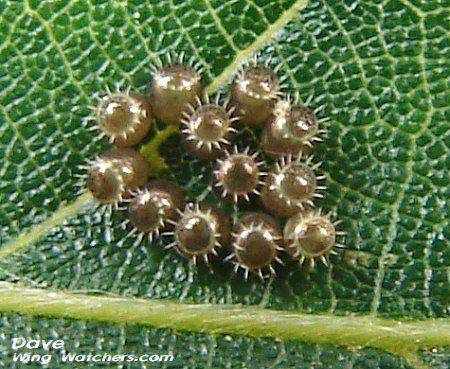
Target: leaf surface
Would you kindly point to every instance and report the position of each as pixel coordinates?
(381, 72)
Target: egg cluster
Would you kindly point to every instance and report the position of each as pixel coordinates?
(208, 128)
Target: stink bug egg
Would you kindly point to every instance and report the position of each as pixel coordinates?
(130, 164)
(237, 175)
(290, 187)
(207, 130)
(152, 208)
(114, 172)
(290, 130)
(256, 240)
(253, 94)
(104, 182)
(172, 88)
(124, 118)
(302, 125)
(309, 236)
(200, 231)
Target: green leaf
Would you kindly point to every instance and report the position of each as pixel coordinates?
(191, 350)
(380, 71)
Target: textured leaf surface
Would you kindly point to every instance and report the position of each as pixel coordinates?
(382, 73)
(190, 349)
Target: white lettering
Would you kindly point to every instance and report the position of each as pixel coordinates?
(45, 359)
(52, 344)
(35, 358)
(23, 358)
(167, 357)
(67, 357)
(117, 358)
(80, 358)
(18, 342)
(143, 358)
(71, 357)
(32, 344)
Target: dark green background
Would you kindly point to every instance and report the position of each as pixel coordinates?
(380, 69)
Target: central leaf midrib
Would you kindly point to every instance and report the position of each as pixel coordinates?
(398, 337)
